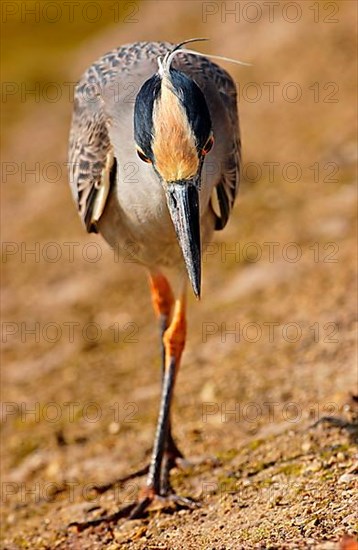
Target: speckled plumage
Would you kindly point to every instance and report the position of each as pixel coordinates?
(102, 146)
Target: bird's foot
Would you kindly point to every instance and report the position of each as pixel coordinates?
(148, 502)
(168, 503)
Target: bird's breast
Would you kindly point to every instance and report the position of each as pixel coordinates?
(136, 220)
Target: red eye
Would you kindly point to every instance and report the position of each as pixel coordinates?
(143, 157)
(208, 145)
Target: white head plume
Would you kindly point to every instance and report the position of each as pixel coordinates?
(165, 62)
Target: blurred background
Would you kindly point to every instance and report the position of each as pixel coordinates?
(273, 338)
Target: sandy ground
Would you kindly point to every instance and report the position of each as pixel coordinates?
(266, 401)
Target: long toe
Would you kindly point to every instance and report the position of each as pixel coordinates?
(163, 504)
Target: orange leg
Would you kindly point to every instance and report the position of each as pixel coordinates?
(173, 343)
(174, 340)
(162, 295)
(173, 328)
(174, 336)
(163, 302)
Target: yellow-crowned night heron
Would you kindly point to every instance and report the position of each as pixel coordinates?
(154, 163)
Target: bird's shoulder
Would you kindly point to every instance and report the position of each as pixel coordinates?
(121, 61)
(202, 69)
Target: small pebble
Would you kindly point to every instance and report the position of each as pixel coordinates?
(346, 478)
(114, 428)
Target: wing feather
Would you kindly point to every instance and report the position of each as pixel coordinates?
(228, 186)
(90, 159)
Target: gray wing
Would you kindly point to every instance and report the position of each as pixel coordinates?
(92, 165)
(228, 186)
(202, 70)
(90, 158)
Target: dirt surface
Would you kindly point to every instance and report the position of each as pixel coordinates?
(266, 400)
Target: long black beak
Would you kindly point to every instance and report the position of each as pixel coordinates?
(183, 204)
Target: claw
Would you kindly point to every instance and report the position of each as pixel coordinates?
(140, 508)
(137, 510)
(158, 503)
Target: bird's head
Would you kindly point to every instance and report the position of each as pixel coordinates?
(173, 132)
